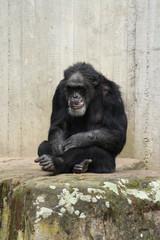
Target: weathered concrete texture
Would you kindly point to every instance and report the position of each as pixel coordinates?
(147, 105)
(35, 205)
(39, 39)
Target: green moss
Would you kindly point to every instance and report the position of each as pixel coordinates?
(5, 191)
(17, 213)
(49, 229)
(132, 184)
(19, 204)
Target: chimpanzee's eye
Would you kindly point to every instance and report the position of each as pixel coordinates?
(70, 89)
(81, 90)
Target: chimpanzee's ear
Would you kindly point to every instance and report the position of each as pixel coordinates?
(96, 80)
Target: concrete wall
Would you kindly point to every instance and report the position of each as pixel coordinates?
(40, 38)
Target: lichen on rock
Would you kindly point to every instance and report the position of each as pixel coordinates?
(117, 208)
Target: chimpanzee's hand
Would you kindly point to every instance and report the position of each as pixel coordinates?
(78, 140)
(72, 142)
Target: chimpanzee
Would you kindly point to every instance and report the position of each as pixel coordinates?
(88, 124)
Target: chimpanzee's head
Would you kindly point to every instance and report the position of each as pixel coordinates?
(81, 80)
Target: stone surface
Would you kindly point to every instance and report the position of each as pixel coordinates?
(36, 205)
(26, 166)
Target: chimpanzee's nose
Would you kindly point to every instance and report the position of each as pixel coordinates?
(75, 95)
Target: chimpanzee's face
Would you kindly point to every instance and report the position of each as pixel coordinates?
(78, 92)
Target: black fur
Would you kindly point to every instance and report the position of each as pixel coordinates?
(99, 134)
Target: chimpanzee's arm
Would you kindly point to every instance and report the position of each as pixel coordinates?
(111, 136)
(110, 140)
(57, 129)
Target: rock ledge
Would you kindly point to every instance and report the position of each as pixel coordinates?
(35, 205)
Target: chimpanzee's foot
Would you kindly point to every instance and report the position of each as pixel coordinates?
(46, 161)
(82, 167)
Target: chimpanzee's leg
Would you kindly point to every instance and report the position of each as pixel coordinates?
(90, 159)
(46, 158)
(44, 148)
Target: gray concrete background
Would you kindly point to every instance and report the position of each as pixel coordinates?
(40, 38)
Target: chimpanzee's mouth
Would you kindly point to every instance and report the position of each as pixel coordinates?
(76, 106)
